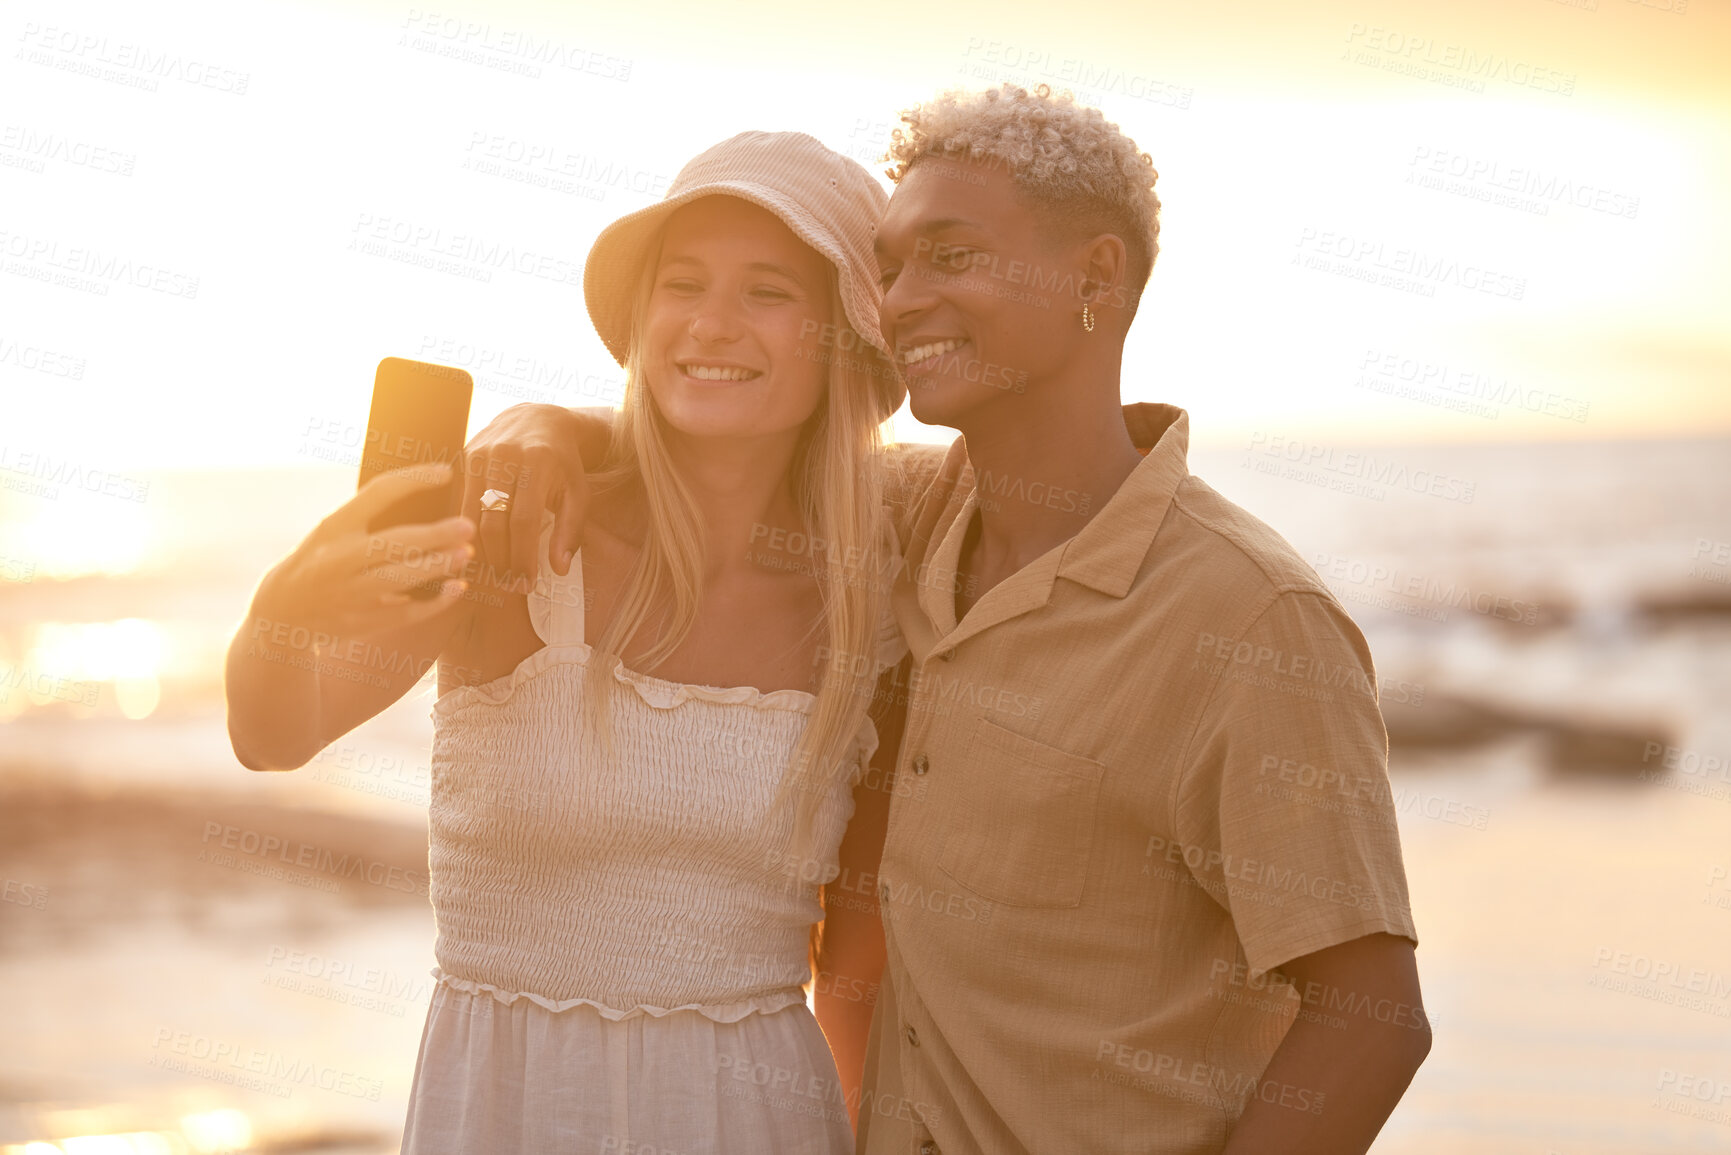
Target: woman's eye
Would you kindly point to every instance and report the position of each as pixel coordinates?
(771, 294)
(954, 258)
(681, 286)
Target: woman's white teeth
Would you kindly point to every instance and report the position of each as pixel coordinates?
(920, 352)
(710, 373)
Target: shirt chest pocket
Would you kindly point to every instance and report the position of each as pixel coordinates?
(1019, 824)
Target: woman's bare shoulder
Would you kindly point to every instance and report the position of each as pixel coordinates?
(493, 634)
(613, 530)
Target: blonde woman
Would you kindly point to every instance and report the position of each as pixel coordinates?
(642, 768)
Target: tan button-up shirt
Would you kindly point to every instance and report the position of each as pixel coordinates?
(1148, 768)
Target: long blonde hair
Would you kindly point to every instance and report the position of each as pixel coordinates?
(837, 487)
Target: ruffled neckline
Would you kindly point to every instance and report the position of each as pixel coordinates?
(656, 692)
(720, 1013)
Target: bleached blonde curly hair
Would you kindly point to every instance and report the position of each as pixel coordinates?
(1078, 170)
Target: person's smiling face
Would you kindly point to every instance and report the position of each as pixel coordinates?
(977, 292)
(727, 338)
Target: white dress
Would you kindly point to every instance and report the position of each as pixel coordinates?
(621, 943)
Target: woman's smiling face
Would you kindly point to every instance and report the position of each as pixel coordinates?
(730, 343)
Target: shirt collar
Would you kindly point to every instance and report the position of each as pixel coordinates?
(1108, 553)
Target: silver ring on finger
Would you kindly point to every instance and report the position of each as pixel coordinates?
(495, 501)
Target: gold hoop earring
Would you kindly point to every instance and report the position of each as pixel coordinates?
(1087, 318)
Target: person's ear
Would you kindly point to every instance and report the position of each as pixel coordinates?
(1104, 261)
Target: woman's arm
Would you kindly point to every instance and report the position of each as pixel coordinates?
(850, 956)
(331, 636)
(538, 453)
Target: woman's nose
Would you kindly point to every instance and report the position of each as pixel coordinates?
(710, 324)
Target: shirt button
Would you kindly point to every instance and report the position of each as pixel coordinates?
(913, 1037)
(945, 655)
(922, 764)
(929, 1148)
(884, 892)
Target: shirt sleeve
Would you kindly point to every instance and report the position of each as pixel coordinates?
(1285, 809)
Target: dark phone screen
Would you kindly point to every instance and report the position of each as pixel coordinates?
(420, 415)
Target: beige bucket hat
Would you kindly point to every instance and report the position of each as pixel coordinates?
(829, 201)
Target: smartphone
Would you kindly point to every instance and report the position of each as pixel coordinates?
(419, 416)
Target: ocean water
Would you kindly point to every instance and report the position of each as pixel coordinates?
(1550, 630)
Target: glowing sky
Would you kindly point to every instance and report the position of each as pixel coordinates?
(284, 145)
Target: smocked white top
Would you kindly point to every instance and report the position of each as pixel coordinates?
(651, 881)
(650, 890)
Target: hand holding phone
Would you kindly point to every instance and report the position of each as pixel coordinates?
(419, 416)
(345, 580)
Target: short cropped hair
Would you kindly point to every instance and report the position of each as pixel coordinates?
(1077, 170)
